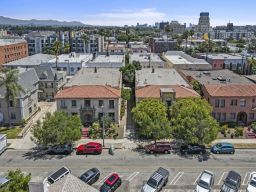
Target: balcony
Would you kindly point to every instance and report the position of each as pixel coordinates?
(87, 108)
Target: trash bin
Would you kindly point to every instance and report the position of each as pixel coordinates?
(111, 150)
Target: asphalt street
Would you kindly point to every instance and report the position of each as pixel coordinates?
(136, 166)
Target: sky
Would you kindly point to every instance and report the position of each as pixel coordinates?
(131, 12)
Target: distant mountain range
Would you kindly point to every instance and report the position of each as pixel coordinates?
(34, 22)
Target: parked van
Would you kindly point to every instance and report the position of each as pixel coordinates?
(223, 148)
(62, 172)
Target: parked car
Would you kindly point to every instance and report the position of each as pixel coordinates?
(3, 143)
(60, 149)
(232, 182)
(205, 182)
(159, 147)
(89, 148)
(111, 184)
(192, 149)
(4, 181)
(251, 187)
(223, 148)
(157, 181)
(90, 176)
(62, 172)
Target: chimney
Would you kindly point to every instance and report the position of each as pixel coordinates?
(153, 70)
(95, 69)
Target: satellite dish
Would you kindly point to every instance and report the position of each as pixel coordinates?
(1, 117)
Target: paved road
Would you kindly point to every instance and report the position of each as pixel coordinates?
(136, 166)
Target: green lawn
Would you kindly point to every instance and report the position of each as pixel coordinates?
(11, 133)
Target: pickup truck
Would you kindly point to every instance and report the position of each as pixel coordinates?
(157, 181)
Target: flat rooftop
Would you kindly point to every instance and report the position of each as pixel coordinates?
(144, 57)
(4, 42)
(158, 76)
(102, 76)
(108, 59)
(224, 76)
(33, 60)
(72, 58)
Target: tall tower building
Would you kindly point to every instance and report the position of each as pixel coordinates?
(204, 22)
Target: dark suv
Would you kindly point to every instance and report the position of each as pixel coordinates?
(60, 149)
(192, 149)
(232, 182)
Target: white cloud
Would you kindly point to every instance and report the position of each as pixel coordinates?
(126, 17)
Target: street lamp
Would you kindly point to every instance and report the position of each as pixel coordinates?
(103, 126)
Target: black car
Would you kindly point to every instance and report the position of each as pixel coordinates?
(60, 149)
(90, 176)
(192, 149)
(232, 182)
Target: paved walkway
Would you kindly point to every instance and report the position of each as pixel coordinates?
(26, 143)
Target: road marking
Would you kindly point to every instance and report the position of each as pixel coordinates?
(178, 178)
(102, 180)
(197, 179)
(221, 178)
(245, 182)
(132, 176)
(175, 178)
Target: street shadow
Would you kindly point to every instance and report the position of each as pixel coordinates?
(200, 157)
(36, 154)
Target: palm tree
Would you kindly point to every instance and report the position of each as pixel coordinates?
(107, 34)
(191, 33)
(85, 40)
(57, 47)
(185, 36)
(9, 79)
(66, 48)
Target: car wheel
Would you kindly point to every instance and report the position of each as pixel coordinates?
(166, 152)
(232, 152)
(218, 152)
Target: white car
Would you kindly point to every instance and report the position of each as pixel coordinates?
(252, 183)
(205, 182)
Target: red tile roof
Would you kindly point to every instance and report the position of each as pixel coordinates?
(231, 90)
(153, 91)
(89, 91)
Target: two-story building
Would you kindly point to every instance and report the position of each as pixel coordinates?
(27, 102)
(232, 102)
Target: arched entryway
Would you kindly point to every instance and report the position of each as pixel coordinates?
(241, 118)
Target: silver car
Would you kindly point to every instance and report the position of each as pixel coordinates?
(205, 182)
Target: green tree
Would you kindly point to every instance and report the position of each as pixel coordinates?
(252, 64)
(128, 73)
(56, 49)
(18, 182)
(186, 36)
(191, 121)
(86, 39)
(197, 86)
(150, 115)
(191, 34)
(10, 80)
(126, 94)
(66, 48)
(57, 128)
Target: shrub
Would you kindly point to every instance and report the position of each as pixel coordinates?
(126, 94)
(122, 112)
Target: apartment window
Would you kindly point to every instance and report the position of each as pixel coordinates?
(30, 110)
(45, 85)
(100, 116)
(13, 116)
(62, 104)
(242, 102)
(72, 69)
(232, 115)
(111, 116)
(73, 103)
(111, 104)
(222, 103)
(234, 102)
(223, 116)
(51, 85)
(87, 103)
(253, 100)
(11, 103)
(218, 116)
(214, 115)
(217, 103)
(101, 103)
(251, 115)
(73, 114)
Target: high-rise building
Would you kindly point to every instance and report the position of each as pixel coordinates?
(177, 28)
(204, 22)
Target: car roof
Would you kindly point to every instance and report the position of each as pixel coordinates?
(156, 176)
(3, 180)
(233, 176)
(225, 144)
(112, 179)
(206, 176)
(93, 143)
(59, 173)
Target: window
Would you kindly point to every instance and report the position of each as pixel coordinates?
(218, 116)
(87, 103)
(222, 103)
(242, 102)
(101, 103)
(223, 116)
(234, 102)
(73, 114)
(62, 104)
(45, 85)
(72, 69)
(111, 104)
(30, 110)
(253, 100)
(100, 115)
(11, 104)
(51, 85)
(111, 116)
(13, 116)
(217, 103)
(214, 115)
(73, 103)
(251, 115)
(232, 115)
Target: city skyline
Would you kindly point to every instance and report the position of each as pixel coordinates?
(119, 13)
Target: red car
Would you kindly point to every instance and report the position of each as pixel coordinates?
(111, 184)
(89, 148)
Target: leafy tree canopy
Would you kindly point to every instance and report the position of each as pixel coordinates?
(57, 128)
(151, 117)
(192, 122)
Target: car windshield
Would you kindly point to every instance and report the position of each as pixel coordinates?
(203, 184)
(104, 188)
(218, 145)
(152, 183)
(253, 183)
(228, 186)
